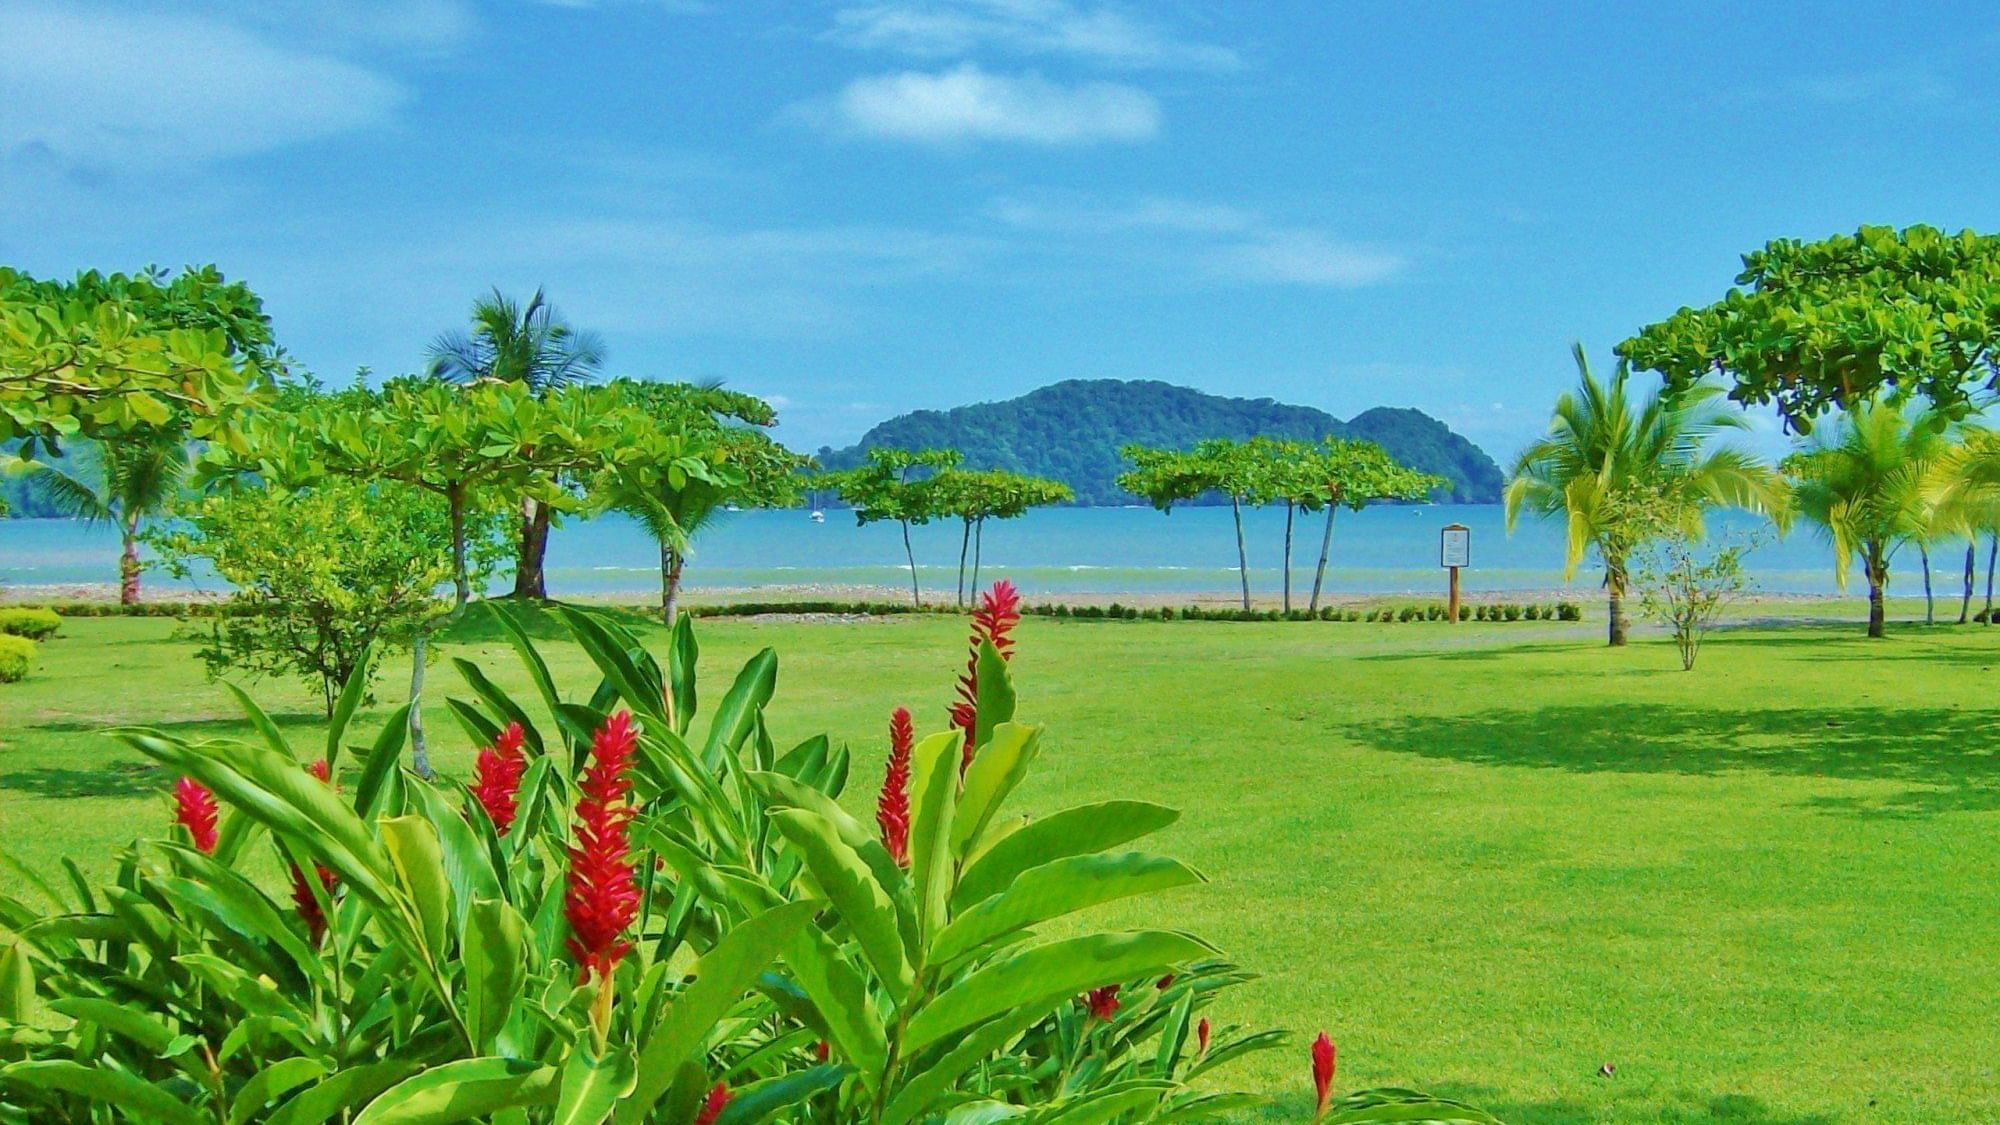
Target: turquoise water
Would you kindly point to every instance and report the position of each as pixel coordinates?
(1054, 551)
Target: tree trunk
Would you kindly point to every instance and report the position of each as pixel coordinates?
(978, 542)
(1614, 584)
(420, 758)
(128, 565)
(461, 586)
(1878, 577)
(1242, 557)
(964, 544)
(1971, 576)
(1930, 604)
(1319, 572)
(530, 577)
(1289, 509)
(916, 593)
(1992, 555)
(670, 584)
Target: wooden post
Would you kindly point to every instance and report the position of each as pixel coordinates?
(1454, 553)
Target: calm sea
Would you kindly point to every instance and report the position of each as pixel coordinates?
(1053, 551)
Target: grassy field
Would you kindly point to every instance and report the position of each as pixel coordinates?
(1488, 860)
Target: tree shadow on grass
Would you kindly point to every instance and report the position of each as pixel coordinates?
(119, 779)
(1947, 756)
(234, 726)
(1737, 1109)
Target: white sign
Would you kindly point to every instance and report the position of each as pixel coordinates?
(1455, 546)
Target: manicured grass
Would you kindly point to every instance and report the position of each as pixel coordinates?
(1488, 861)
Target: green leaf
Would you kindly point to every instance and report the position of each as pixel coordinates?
(1107, 1104)
(343, 709)
(344, 1090)
(996, 694)
(616, 665)
(112, 1088)
(261, 723)
(1046, 975)
(502, 704)
(1056, 888)
(381, 763)
(683, 655)
(822, 971)
(734, 717)
(495, 967)
(538, 670)
(271, 1083)
(468, 864)
(933, 789)
(1077, 831)
(919, 1093)
(1389, 1104)
(721, 978)
(759, 1100)
(418, 860)
(860, 901)
(148, 1032)
(592, 1086)
(17, 985)
(461, 1091)
(998, 767)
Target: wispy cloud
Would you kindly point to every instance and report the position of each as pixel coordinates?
(967, 103)
(1215, 242)
(1107, 34)
(121, 90)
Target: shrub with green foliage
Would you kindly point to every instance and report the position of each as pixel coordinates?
(17, 654)
(34, 624)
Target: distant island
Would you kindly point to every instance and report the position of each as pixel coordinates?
(1072, 430)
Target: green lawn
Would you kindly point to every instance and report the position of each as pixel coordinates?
(1488, 860)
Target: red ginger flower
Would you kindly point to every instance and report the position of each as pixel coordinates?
(496, 777)
(194, 810)
(1102, 1002)
(1323, 1054)
(711, 1106)
(1201, 1035)
(823, 1051)
(892, 808)
(302, 893)
(993, 619)
(602, 898)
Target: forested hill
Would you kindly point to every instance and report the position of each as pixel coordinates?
(1072, 431)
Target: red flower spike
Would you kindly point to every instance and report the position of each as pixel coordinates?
(602, 899)
(892, 808)
(1165, 982)
(1201, 1035)
(496, 777)
(1323, 1056)
(712, 1105)
(194, 810)
(993, 619)
(303, 898)
(822, 1051)
(1102, 1002)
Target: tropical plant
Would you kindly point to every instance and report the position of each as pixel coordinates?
(380, 551)
(896, 484)
(1866, 482)
(1616, 467)
(136, 477)
(1686, 588)
(534, 346)
(1830, 324)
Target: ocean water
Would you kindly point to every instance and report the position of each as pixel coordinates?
(1381, 550)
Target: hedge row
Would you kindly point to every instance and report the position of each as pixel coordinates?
(1434, 611)
(32, 623)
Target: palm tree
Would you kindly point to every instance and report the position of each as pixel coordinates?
(529, 344)
(1868, 482)
(1614, 466)
(135, 479)
(1966, 503)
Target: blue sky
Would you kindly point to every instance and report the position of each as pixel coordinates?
(861, 208)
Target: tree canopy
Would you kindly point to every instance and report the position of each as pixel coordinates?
(1827, 324)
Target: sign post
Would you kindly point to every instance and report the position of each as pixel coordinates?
(1454, 552)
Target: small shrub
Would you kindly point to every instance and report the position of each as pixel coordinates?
(1354, 615)
(34, 624)
(1569, 611)
(1533, 613)
(1168, 613)
(1114, 610)
(1131, 613)
(1434, 612)
(1408, 613)
(1328, 613)
(16, 653)
(1511, 612)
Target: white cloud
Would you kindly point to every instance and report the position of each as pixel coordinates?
(97, 89)
(969, 104)
(1212, 242)
(1107, 34)
(1303, 256)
